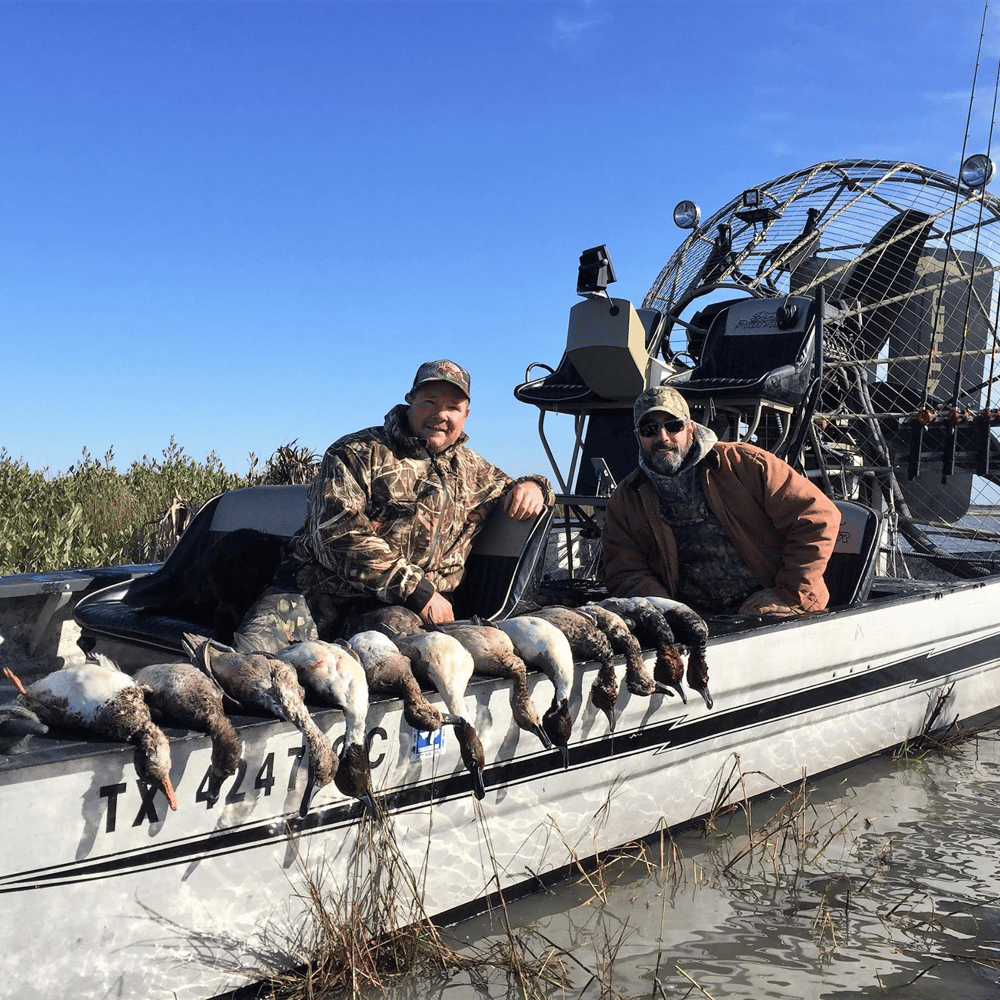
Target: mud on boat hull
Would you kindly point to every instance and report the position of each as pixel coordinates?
(122, 897)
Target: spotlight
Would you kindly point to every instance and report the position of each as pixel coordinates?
(977, 171)
(687, 215)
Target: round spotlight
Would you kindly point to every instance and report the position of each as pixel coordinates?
(687, 215)
(977, 171)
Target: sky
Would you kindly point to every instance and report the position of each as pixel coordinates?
(246, 223)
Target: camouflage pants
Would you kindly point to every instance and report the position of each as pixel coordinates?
(280, 616)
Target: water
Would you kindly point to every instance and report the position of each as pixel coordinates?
(884, 881)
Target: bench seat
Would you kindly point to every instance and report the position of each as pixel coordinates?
(152, 611)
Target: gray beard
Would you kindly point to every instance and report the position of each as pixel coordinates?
(666, 463)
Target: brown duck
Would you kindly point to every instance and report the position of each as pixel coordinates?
(185, 695)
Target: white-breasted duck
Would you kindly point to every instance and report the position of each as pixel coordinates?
(638, 679)
(96, 695)
(336, 676)
(542, 646)
(653, 632)
(185, 695)
(267, 683)
(390, 672)
(493, 656)
(692, 630)
(588, 642)
(448, 665)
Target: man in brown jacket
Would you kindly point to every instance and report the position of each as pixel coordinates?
(723, 527)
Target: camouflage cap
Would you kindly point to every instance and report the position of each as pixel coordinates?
(442, 371)
(660, 399)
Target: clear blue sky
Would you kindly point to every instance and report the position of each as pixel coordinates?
(244, 223)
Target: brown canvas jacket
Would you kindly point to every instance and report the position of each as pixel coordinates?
(781, 524)
(387, 519)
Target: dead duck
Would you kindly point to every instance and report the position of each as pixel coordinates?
(493, 656)
(335, 675)
(638, 679)
(653, 632)
(448, 665)
(588, 642)
(97, 696)
(692, 630)
(185, 695)
(390, 672)
(542, 646)
(17, 723)
(393, 620)
(265, 682)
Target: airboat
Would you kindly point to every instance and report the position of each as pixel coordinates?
(842, 316)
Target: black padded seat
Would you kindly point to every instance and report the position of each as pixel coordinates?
(851, 568)
(562, 389)
(153, 612)
(752, 349)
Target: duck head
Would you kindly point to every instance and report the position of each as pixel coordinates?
(473, 755)
(322, 770)
(559, 726)
(152, 761)
(604, 696)
(354, 777)
(527, 718)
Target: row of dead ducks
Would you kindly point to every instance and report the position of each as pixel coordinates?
(393, 656)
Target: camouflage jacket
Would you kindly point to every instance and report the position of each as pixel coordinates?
(387, 519)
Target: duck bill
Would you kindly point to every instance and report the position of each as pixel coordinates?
(564, 753)
(669, 689)
(704, 692)
(610, 713)
(214, 787)
(478, 785)
(370, 803)
(542, 735)
(168, 790)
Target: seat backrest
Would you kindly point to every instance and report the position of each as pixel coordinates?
(278, 511)
(746, 341)
(851, 568)
(155, 610)
(152, 611)
(500, 570)
(610, 436)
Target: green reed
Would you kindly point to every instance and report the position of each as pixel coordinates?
(95, 515)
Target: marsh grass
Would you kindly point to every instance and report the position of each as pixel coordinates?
(360, 938)
(93, 515)
(820, 859)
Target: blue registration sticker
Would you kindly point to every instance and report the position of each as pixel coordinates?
(426, 743)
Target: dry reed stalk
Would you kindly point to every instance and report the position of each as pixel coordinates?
(375, 928)
(701, 989)
(511, 954)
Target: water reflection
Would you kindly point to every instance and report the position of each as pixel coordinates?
(887, 884)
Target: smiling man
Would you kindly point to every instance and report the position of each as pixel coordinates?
(724, 527)
(394, 509)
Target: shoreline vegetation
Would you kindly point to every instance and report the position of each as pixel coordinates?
(92, 515)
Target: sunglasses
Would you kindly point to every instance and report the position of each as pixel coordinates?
(650, 428)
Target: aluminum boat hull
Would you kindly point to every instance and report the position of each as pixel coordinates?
(108, 893)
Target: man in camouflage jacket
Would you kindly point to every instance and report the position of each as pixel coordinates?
(393, 512)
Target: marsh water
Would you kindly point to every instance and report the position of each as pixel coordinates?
(882, 880)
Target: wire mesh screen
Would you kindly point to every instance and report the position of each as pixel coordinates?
(907, 407)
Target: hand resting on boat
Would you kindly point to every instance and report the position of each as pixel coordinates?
(767, 602)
